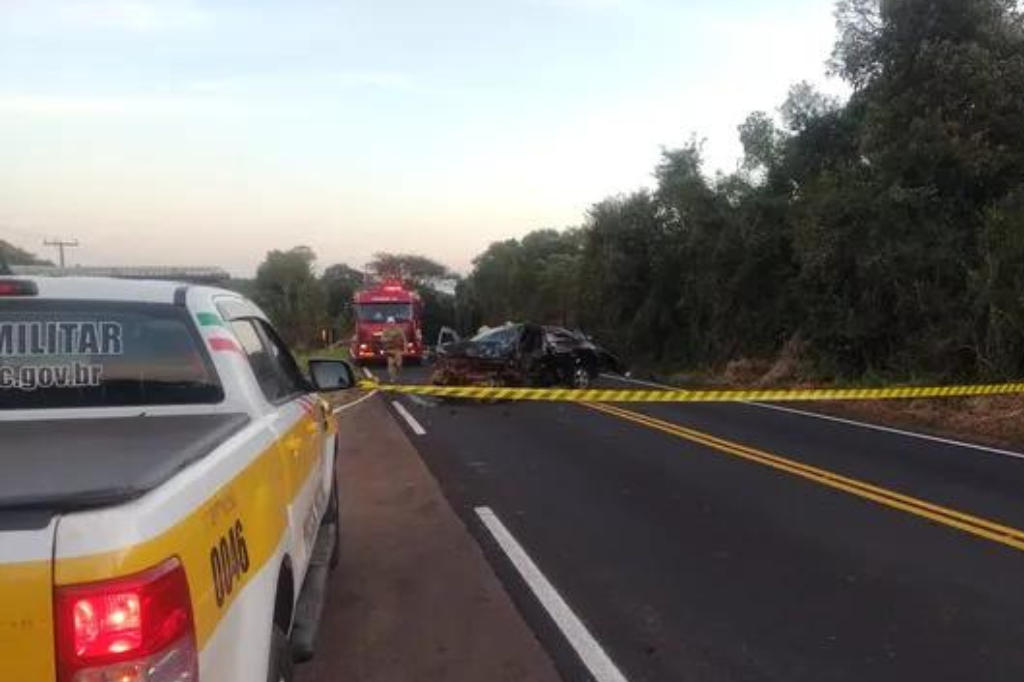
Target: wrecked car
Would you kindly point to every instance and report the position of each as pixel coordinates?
(523, 355)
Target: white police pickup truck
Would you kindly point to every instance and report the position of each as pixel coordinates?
(168, 507)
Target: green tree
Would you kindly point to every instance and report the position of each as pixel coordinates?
(855, 56)
(805, 105)
(997, 289)
(16, 256)
(941, 87)
(289, 291)
(621, 240)
(558, 282)
(489, 293)
(340, 283)
(534, 279)
(411, 268)
(439, 310)
(761, 141)
(885, 232)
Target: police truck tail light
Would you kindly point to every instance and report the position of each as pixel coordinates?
(17, 287)
(134, 629)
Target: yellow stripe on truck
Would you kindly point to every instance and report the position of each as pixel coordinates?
(26, 622)
(257, 498)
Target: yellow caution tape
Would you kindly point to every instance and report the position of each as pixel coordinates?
(601, 395)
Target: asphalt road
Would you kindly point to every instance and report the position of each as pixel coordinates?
(750, 544)
(412, 599)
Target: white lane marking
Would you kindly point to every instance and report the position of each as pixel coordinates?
(367, 372)
(852, 422)
(601, 667)
(409, 419)
(342, 408)
(421, 401)
(889, 429)
(630, 380)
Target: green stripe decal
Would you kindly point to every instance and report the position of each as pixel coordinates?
(209, 320)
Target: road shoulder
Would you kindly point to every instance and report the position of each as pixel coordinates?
(413, 598)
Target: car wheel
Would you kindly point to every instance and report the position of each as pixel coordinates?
(581, 378)
(280, 668)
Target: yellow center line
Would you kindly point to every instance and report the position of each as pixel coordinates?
(823, 473)
(990, 530)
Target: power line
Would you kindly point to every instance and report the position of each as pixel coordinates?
(61, 244)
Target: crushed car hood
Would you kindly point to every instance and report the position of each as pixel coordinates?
(471, 349)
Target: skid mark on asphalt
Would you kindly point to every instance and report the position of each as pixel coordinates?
(593, 655)
(983, 528)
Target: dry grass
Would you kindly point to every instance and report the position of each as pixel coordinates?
(745, 372)
(789, 367)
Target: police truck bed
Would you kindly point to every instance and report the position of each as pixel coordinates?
(79, 463)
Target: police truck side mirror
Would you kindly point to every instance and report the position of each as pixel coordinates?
(331, 375)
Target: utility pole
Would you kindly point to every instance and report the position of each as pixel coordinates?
(61, 244)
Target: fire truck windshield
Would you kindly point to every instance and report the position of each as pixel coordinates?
(380, 312)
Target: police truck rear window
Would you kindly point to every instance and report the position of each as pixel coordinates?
(97, 354)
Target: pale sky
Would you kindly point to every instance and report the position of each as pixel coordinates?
(206, 132)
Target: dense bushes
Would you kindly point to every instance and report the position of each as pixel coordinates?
(886, 231)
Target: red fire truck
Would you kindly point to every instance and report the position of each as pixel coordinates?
(373, 307)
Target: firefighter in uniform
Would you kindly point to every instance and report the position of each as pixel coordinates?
(394, 341)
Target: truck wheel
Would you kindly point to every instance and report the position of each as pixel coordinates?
(280, 668)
